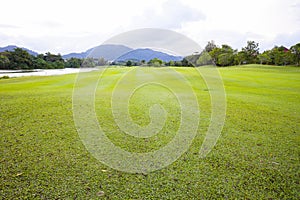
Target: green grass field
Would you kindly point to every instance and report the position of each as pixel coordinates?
(256, 157)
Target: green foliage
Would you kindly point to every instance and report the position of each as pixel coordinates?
(19, 59)
(193, 58)
(186, 63)
(264, 58)
(251, 52)
(73, 63)
(171, 63)
(88, 63)
(49, 57)
(226, 56)
(4, 62)
(296, 51)
(4, 77)
(223, 56)
(281, 56)
(40, 63)
(101, 62)
(129, 63)
(210, 46)
(155, 62)
(178, 63)
(215, 53)
(239, 58)
(225, 59)
(58, 65)
(204, 59)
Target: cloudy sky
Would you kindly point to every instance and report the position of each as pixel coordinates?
(64, 26)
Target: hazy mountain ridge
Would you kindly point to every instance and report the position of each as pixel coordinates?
(111, 52)
(12, 47)
(107, 51)
(148, 54)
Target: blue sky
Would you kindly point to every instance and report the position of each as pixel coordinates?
(73, 26)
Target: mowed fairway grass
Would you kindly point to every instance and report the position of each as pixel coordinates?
(256, 156)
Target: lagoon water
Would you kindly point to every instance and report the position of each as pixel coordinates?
(43, 72)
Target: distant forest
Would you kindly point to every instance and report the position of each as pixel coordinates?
(227, 56)
(223, 55)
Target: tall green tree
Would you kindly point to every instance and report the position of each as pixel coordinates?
(239, 58)
(129, 63)
(265, 58)
(39, 63)
(88, 63)
(54, 61)
(49, 57)
(155, 62)
(4, 62)
(204, 59)
(210, 46)
(223, 56)
(281, 56)
(186, 63)
(295, 49)
(225, 59)
(251, 52)
(215, 53)
(171, 63)
(20, 59)
(73, 63)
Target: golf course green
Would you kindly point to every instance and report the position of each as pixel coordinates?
(256, 157)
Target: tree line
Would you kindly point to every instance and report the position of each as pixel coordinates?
(21, 59)
(155, 62)
(223, 55)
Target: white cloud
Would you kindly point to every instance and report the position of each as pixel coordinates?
(65, 26)
(172, 14)
(234, 22)
(8, 26)
(285, 39)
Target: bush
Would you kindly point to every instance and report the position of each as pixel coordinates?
(4, 77)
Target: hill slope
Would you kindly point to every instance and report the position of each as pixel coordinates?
(107, 51)
(148, 54)
(12, 47)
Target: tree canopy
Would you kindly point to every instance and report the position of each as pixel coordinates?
(226, 56)
(21, 59)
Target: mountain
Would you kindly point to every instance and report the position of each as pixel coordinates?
(107, 51)
(75, 55)
(112, 52)
(12, 47)
(148, 54)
